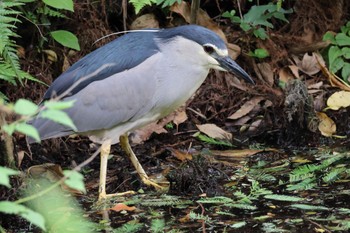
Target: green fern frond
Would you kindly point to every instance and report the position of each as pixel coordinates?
(278, 197)
(333, 175)
(306, 184)
(215, 200)
(45, 10)
(129, 227)
(139, 4)
(10, 69)
(157, 225)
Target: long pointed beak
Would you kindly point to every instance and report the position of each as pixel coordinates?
(231, 66)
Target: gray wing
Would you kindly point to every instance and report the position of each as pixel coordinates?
(121, 54)
(104, 104)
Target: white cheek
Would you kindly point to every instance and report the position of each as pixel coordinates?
(214, 64)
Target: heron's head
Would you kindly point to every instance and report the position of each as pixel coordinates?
(212, 47)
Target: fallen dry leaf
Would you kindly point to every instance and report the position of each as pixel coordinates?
(338, 100)
(214, 131)
(121, 206)
(180, 116)
(327, 127)
(20, 156)
(285, 74)
(239, 154)
(145, 21)
(266, 72)
(180, 155)
(184, 9)
(246, 108)
(309, 64)
(233, 50)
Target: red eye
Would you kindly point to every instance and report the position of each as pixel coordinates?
(208, 49)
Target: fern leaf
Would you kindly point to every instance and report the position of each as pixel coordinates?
(139, 4)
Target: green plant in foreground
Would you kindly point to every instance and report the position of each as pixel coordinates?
(44, 11)
(47, 204)
(26, 110)
(10, 69)
(139, 4)
(339, 51)
(256, 20)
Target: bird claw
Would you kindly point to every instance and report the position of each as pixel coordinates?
(104, 196)
(147, 181)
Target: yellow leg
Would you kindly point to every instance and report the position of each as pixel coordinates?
(124, 143)
(105, 150)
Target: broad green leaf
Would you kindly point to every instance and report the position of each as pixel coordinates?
(75, 180)
(58, 116)
(329, 36)
(333, 53)
(283, 198)
(259, 53)
(14, 208)
(245, 26)
(342, 39)
(66, 39)
(337, 64)
(260, 33)
(28, 130)
(9, 129)
(60, 4)
(59, 105)
(25, 107)
(345, 72)
(5, 174)
(309, 207)
(346, 52)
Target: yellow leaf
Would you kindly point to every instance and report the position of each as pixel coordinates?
(327, 127)
(339, 99)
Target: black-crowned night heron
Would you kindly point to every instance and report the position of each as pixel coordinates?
(132, 81)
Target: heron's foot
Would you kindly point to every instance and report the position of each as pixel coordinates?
(149, 182)
(104, 196)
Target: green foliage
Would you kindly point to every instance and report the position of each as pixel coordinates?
(33, 217)
(195, 216)
(215, 200)
(238, 224)
(5, 174)
(62, 4)
(10, 69)
(259, 53)
(166, 3)
(139, 4)
(129, 227)
(256, 20)
(305, 177)
(339, 51)
(27, 110)
(212, 141)
(283, 198)
(157, 225)
(56, 207)
(66, 39)
(309, 207)
(75, 180)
